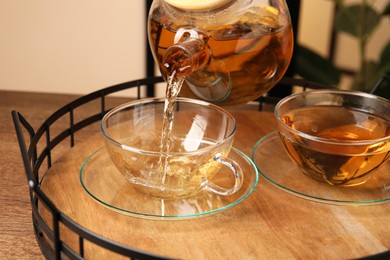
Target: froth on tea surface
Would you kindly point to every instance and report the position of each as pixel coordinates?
(330, 156)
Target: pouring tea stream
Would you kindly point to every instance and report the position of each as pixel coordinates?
(225, 52)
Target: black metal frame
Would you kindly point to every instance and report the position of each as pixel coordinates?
(34, 159)
(382, 87)
(150, 64)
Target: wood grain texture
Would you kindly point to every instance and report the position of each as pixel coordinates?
(17, 239)
(268, 224)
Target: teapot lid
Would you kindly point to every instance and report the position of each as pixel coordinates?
(198, 5)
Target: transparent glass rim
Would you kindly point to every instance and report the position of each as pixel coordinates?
(159, 101)
(324, 140)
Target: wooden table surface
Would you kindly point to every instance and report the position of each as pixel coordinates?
(269, 224)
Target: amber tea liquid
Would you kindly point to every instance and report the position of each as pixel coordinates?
(247, 57)
(338, 164)
(175, 176)
(231, 63)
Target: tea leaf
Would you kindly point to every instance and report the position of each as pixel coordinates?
(313, 67)
(357, 20)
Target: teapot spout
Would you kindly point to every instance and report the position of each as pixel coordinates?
(186, 57)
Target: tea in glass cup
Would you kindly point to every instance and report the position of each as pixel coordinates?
(340, 137)
(181, 165)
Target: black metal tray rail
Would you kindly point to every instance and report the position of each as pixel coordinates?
(40, 148)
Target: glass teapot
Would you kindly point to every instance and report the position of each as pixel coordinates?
(222, 51)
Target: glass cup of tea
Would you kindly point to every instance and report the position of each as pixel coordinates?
(179, 163)
(339, 137)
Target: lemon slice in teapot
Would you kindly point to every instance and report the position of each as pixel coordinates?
(198, 5)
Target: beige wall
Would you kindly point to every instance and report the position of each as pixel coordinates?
(78, 46)
(72, 46)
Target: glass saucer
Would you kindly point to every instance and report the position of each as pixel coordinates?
(105, 184)
(275, 165)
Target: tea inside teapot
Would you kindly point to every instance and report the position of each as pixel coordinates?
(225, 51)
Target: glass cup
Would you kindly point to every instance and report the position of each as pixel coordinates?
(340, 137)
(179, 166)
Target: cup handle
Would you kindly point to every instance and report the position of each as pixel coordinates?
(238, 176)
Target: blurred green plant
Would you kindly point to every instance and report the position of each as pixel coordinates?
(359, 20)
